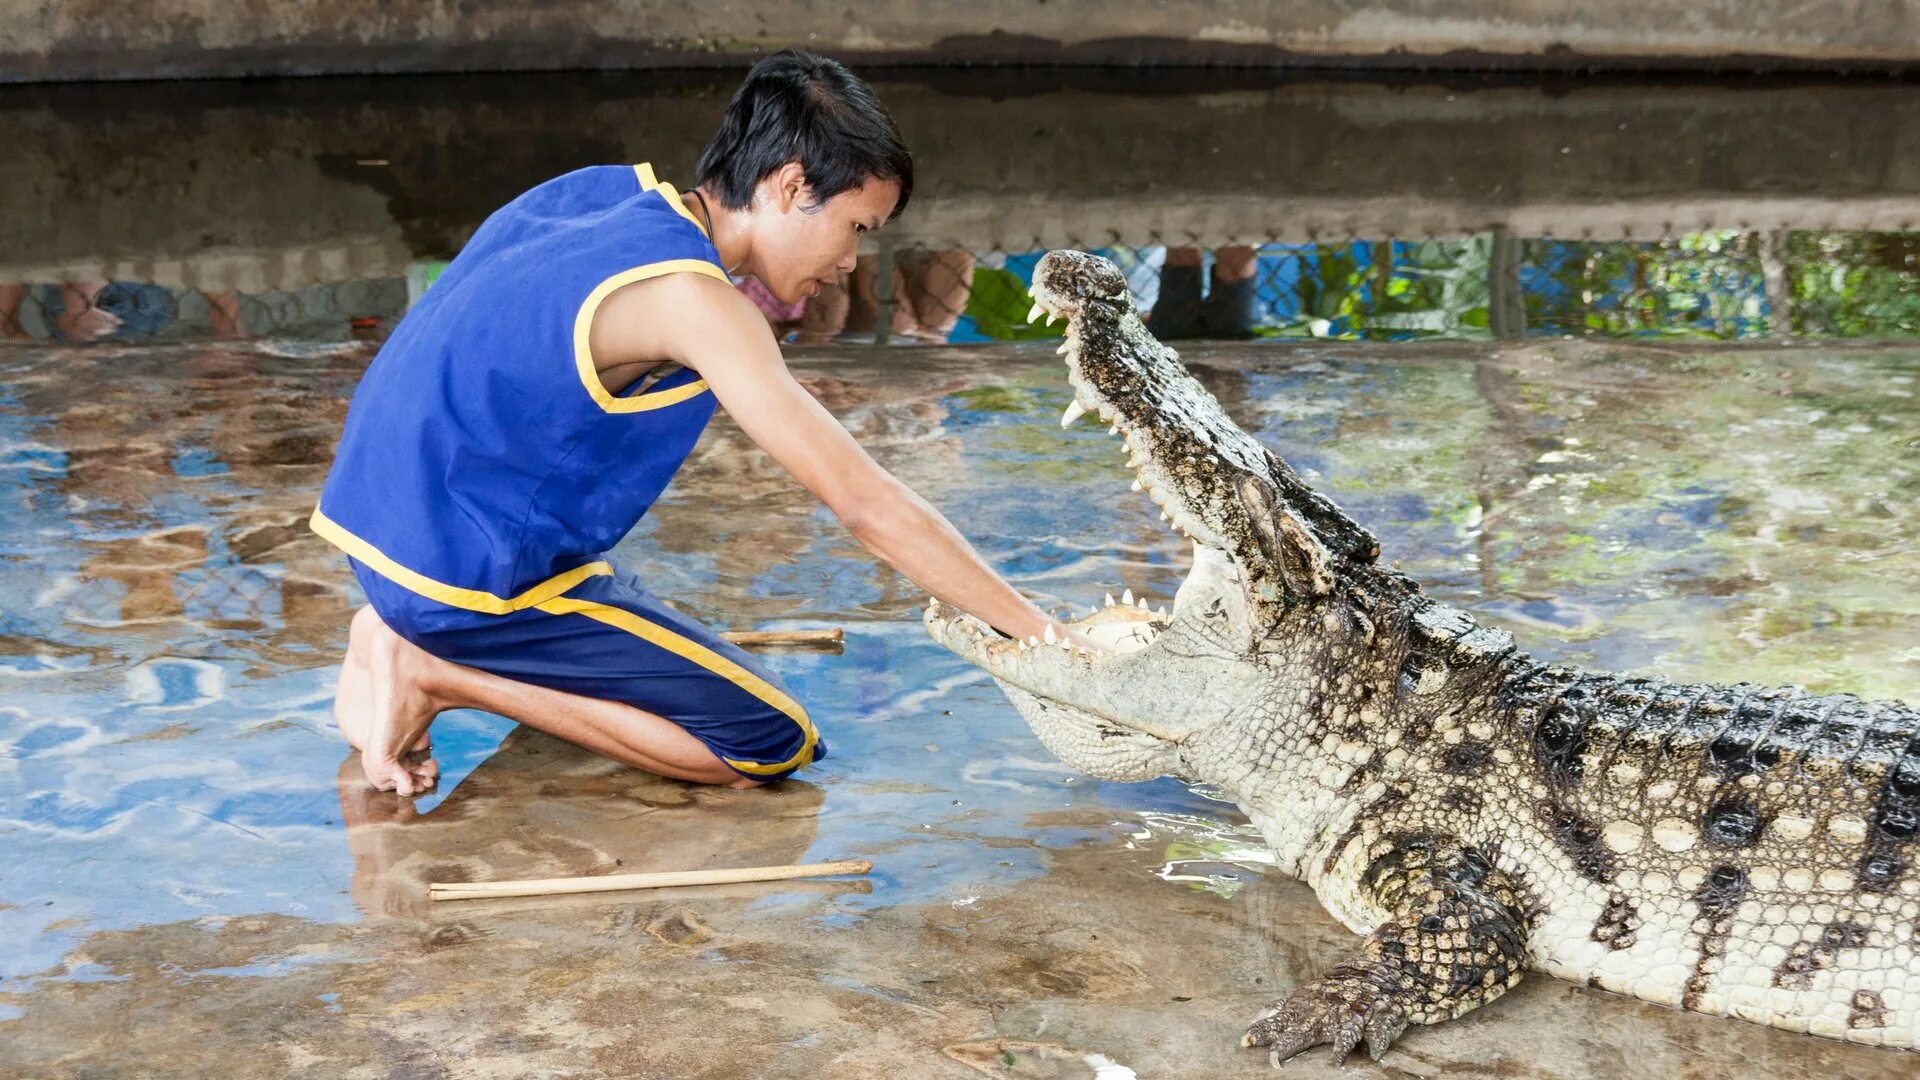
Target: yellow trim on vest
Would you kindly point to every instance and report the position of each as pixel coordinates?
(649, 182)
(451, 595)
(583, 333)
(656, 634)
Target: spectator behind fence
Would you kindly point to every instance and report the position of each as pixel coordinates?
(1229, 307)
(93, 309)
(930, 291)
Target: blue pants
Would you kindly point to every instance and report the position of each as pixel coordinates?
(611, 639)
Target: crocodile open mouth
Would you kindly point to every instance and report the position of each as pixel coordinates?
(1126, 624)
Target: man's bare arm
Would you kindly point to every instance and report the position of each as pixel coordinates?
(711, 327)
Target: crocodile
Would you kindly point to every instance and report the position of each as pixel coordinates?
(1738, 850)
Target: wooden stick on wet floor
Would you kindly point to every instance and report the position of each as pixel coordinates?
(832, 638)
(493, 890)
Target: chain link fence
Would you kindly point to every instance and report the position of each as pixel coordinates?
(89, 309)
(1717, 285)
(1722, 285)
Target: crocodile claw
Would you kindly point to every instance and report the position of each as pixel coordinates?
(1351, 1003)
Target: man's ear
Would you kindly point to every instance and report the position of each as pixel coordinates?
(790, 186)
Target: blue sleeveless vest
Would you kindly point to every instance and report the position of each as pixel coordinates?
(484, 465)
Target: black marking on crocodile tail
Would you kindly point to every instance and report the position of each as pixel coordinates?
(1818, 954)
(1894, 823)
(1560, 742)
(1718, 898)
(1733, 820)
(1741, 746)
(1580, 839)
(1866, 1010)
(1619, 925)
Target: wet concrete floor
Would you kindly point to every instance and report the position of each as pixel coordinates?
(198, 883)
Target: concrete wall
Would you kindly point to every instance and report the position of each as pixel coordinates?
(107, 39)
(282, 184)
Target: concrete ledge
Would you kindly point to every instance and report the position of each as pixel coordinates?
(278, 184)
(54, 40)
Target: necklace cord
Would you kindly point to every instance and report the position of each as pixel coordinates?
(704, 212)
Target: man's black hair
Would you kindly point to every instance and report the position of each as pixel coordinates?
(800, 106)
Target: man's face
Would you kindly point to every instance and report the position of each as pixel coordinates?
(803, 247)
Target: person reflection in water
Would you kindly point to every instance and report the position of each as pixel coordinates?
(500, 824)
(528, 411)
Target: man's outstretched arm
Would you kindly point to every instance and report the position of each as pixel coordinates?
(712, 328)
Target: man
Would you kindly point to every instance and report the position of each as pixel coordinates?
(526, 413)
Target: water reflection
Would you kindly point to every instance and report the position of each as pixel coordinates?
(168, 650)
(538, 807)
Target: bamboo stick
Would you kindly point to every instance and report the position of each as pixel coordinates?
(489, 890)
(834, 636)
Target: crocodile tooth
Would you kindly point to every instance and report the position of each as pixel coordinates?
(1051, 317)
(1050, 635)
(1034, 312)
(1142, 604)
(1074, 411)
(1064, 346)
(1109, 599)
(1136, 484)
(1126, 596)
(1032, 641)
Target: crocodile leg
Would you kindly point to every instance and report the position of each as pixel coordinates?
(1454, 941)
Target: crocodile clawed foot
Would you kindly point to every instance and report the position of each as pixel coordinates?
(1350, 1004)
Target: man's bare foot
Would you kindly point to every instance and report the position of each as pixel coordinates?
(400, 710)
(353, 699)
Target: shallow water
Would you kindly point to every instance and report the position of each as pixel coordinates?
(171, 634)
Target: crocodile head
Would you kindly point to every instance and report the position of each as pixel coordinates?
(1265, 548)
